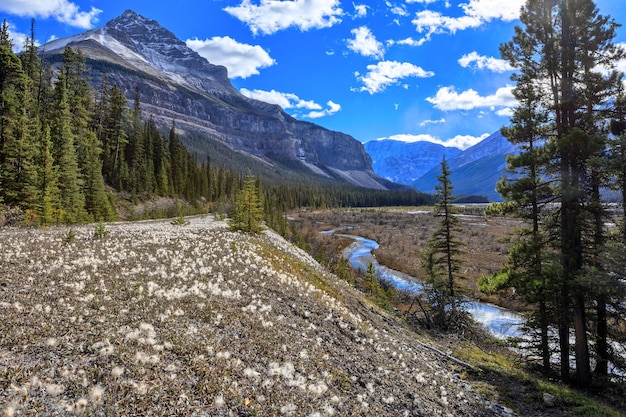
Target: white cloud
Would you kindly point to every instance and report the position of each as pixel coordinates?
(62, 10)
(331, 109)
(397, 10)
(290, 101)
(432, 122)
(360, 10)
(387, 73)
(271, 16)
(505, 112)
(407, 41)
(242, 60)
(488, 10)
(465, 141)
(474, 60)
(460, 141)
(476, 13)
(621, 64)
(18, 39)
(365, 43)
(448, 99)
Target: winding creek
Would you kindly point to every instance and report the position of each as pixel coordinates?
(501, 322)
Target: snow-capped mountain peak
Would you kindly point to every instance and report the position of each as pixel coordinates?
(146, 46)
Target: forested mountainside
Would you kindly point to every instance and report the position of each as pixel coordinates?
(68, 151)
(176, 83)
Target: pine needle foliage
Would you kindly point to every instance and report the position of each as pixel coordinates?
(247, 211)
(442, 259)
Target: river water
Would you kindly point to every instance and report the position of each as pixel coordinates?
(501, 322)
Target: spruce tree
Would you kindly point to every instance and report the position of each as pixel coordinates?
(47, 184)
(247, 211)
(442, 257)
(529, 192)
(71, 198)
(18, 128)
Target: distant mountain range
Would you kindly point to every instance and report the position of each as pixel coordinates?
(474, 171)
(177, 84)
(406, 162)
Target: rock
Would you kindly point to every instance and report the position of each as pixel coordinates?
(549, 400)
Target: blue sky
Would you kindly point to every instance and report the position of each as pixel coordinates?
(401, 69)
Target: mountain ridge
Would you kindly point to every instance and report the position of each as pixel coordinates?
(476, 170)
(176, 84)
(406, 162)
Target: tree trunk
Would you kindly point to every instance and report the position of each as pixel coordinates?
(583, 370)
(545, 341)
(564, 333)
(602, 347)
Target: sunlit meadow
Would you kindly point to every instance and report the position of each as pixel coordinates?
(156, 318)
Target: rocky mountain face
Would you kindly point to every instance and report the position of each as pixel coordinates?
(476, 170)
(177, 84)
(404, 162)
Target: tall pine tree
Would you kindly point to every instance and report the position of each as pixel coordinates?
(562, 45)
(442, 258)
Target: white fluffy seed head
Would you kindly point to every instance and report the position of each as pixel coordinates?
(54, 389)
(96, 393)
(80, 406)
(117, 372)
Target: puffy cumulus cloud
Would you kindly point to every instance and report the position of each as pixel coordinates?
(386, 73)
(271, 16)
(242, 60)
(448, 99)
(505, 112)
(476, 13)
(460, 141)
(487, 10)
(289, 101)
(360, 10)
(62, 10)
(474, 60)
(365, 43)
(465, 141)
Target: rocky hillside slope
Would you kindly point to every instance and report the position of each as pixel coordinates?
(155, 318)
(177, 84)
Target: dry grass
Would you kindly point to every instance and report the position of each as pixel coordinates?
(403, 236)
